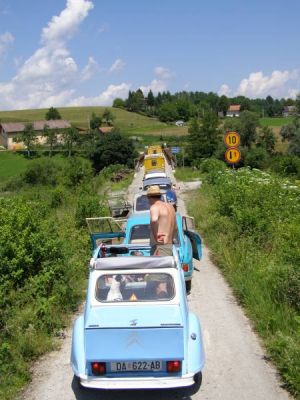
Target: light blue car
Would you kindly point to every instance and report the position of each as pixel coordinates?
(136, 331)
(136, 230)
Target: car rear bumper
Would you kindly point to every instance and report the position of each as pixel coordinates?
(138, 382)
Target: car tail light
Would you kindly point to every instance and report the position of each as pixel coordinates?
(98, 368)
(185, 267)
(173, 366)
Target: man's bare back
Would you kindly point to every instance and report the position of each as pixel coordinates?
(163, 222)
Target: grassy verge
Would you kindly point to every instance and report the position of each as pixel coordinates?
(186, 174)
(251, 224)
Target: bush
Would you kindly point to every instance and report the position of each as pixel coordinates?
(58, 196)
(286, 165)
(256, 158)
(43, 172)
(77, 171)
(88, 206)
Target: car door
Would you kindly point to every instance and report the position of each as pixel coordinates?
(106, 230)
(188, 225)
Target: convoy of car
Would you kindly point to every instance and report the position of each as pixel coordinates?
(136, 331)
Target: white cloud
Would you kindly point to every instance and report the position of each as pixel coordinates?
(63, 26)
(117, 66)
(90, 69)
(163, 73)
(259, 85)
(105, 98)
(160, 83)
(6, 39)
(156, 86)
(49, 75)
(224, 90)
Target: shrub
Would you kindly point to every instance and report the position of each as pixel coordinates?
(256, 158)
(77, 171)
(43, 171)
(88, 206)
(286, 165)
(58, 196)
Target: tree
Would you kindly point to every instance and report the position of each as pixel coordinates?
(113, 149)
(249, 122)
(95, 121)
(51, 137)
(28, 137)
(267, 139)
(52, 113)
(150, 99)
(108, 117)
(297, 103)
(203, 138)
(118, 103)
(70, 137)
(167, 112)
(223, 104)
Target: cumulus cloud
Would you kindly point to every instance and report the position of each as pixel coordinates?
(49, 75)
(163, 73)
(90, 69)
(117, 66)
(260, 85)
(160, 83)
(105, 98)
(63, 26)
(224, 90)
(6, 39)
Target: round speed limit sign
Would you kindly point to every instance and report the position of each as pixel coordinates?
(232, 155)
(232, 139)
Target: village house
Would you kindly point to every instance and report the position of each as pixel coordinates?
(105, 129)
(11, 130)
(289, 111)
(233, 110)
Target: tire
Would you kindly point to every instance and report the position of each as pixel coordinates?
(188, 286)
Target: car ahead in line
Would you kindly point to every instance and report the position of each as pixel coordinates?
(136, 230)
(155, 174)
(136, 331)
(141, 201)
(163, 183)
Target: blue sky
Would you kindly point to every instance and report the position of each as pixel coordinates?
(88, 52)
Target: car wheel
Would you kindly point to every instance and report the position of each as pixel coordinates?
(188, 286)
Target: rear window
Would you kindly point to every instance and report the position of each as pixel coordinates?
(142, 203)
(141, 234)
(135, 287)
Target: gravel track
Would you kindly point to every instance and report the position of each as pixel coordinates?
(235, 362)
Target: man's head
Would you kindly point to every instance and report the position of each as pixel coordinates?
(154, 193)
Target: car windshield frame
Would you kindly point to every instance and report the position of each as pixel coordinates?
(147, 239)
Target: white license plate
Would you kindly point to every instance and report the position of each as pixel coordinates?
(135, 366)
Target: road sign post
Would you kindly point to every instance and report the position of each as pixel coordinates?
(232, 140)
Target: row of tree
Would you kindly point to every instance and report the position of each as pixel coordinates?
(186, 105)
(205, 135)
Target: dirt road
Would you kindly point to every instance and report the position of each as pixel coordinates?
(235, 365)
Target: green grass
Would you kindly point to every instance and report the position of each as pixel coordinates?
(278, 121)
(254, 264)
(79, 116)
(187, 174)
(11, 165)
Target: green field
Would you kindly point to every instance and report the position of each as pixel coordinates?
(11, 164)
(79, 116)
(277, 121)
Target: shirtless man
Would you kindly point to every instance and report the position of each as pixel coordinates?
(162, 222)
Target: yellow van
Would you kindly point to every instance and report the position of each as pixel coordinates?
(154, 162)
(154, 150)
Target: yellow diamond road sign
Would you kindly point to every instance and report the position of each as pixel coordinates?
(232, 155)
(232, 139)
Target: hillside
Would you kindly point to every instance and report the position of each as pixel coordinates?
(128, 122)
